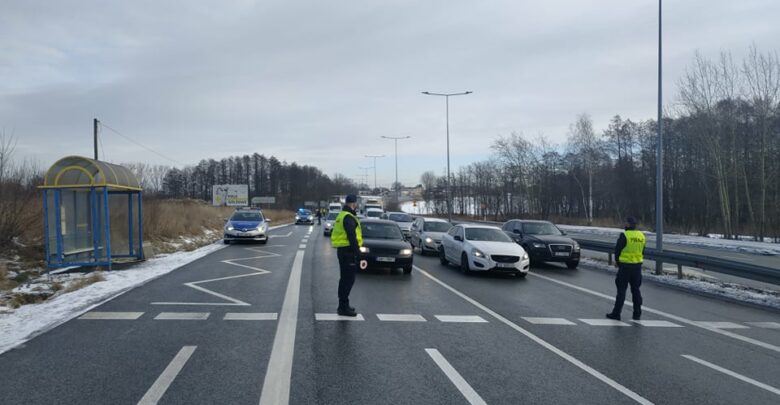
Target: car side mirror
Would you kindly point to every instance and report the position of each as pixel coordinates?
(563, 232)
(268, 220)
(458, 238)
(516, 232)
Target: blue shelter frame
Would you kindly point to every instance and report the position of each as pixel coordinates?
(81, 196)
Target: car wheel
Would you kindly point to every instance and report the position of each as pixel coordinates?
(572, 264)
(227, 242)
(408, 269)
(520, 275)
(464, 264)
(442, 257)
(263, 242)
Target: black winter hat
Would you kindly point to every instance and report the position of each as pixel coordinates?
(631, 221)
(351, 199)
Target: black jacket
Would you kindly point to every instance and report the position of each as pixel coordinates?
(350, 224)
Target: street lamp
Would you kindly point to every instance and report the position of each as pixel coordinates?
(374, 157)
(659, 181)
(447, 99)
(395, 139)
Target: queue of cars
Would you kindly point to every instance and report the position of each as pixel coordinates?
(390, 239)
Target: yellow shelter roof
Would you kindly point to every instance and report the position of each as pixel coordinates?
(78, 171)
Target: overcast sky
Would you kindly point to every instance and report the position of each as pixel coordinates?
(319, 82)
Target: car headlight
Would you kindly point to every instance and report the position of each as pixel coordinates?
(229, 227)
(576, 247)
(477, 253)
(328, 224)
(539, 245)
(363, 249)
(428, 240)
(406, 252)
(525, 256)
(297, 217)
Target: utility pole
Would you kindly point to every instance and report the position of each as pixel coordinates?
(374, 157)
(95, 123)
(395, 139)
(659, 181)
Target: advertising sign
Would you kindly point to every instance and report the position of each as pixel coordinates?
(263, 200)
(231, 195)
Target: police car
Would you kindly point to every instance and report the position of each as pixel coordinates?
(246, 224)
(304, 216)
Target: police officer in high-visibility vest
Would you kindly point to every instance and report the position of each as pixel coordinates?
(347, 238)
(628, 256)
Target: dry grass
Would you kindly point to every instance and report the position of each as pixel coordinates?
(83, 282)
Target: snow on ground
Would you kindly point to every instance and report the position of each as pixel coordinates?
(730, 291)
(31, 320)
(742, 246)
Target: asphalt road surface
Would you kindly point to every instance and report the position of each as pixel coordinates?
(256, 324)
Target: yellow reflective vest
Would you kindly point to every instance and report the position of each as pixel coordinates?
(635, 245)
(338, 238)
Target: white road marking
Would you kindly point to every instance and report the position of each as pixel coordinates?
(112, 315)
(230, 300)
(733, 374)
(722, 325)
(401, 317)
(287, 235)
(658, 324)
(766, 325)
(458, 380)
(276, 386)
(680, 319)
(301, 246)
(337, 317)
(250, 316)
(548, 321)
(604, 322)
(182, 316)
(461, 318)
(588, 369)
(157, 390)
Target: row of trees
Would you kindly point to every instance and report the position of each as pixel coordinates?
(721, 166)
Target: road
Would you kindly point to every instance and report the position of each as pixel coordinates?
(255, 324)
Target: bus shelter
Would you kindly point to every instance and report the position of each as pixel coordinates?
(92, 213)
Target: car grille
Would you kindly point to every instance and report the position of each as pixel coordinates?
(504, 259)
(384, 251)
(560, 248)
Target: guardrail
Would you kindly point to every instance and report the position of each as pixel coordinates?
(724, 266)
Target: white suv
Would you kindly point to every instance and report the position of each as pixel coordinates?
(483, 248)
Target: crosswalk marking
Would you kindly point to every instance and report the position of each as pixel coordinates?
(461, 318)
(250, 316)
(337, 317)
(131, 316)
(765, 325)
(721, 325)
(182, 316)
(548, 321)
(658, 324)
(604, 322)
(401, 317)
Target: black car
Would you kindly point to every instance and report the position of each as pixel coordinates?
(384, 245)
(544, 241)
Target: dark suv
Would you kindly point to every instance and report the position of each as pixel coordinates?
(543, 241)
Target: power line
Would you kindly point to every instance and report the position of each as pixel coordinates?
(140, 144)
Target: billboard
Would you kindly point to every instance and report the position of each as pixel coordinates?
(263, 200)
(231, 195)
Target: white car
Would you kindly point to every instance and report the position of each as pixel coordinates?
(483, 248)
(374, 213)
(327, 226)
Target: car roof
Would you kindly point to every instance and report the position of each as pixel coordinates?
(426, 219)
(374, 209)
(378, 221)
(479, 226)
(531, 221)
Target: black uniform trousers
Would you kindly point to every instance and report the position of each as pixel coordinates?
(628, 274)
(348, 264)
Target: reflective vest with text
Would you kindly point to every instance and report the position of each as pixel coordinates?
(338, 237)
(635, 245)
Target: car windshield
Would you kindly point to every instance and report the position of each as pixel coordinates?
(373, 214)
(247, 216)
(304, 212)
(487, 235)
(437, 226)
(381, 231)
(400, 218)
(332, 216)
(540, 228)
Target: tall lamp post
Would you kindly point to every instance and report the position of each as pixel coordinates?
(447, 101)
(374, 157)
(395, 139)
(659, 181)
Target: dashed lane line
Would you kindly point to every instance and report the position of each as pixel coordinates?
(548, 321)
(461, 318)
(182, 316)
(604, 322)
(569, 358)
(336, 317)
(455, 377)
(658, 324)
(679, 319)
(401, 317)
(250, 316)
(130, 316)
(765, 325)
(733, 374)
(157, 390)
(722, 325)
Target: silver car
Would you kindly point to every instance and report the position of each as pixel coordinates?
(327, 226)
(403, 220)
(426, 234)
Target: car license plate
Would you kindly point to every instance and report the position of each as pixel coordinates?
(506, 265)
(385, 259)
(561, 253)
